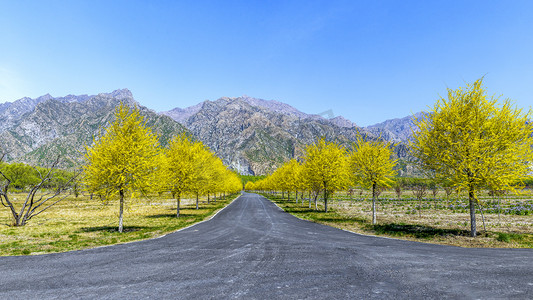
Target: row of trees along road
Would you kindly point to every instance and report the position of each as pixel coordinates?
(467, 142)
(327, 167)
(128, 160)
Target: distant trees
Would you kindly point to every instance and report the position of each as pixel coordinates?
(21, 175)
(124, 159)
(371, 165)
(471, 141)
(327, 167)
(178, 167)
(293, 177)
(322, 170)
(189, 167)
(287, 177)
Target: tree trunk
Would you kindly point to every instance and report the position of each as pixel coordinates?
(325, 200)
(499, 209)
(472, 199)
(178, 200)
(316, 204)
(374, 203)
(288, 195)
(310, 199)
(482, 217)
(420, 207)
(17, 220)
(208, 198)
(120, 224)
(196, 200)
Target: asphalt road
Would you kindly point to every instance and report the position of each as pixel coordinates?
(252, 249)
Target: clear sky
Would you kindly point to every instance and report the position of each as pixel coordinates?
(366, 60)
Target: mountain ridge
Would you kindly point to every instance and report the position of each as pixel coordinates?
(251, 135)
(48, 127)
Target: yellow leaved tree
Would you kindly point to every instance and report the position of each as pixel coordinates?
(324, 166)
(371, 165)
(178, 167)
(188, 167)
(124, 159)
(472, 142)
(203, 172)
(292, 177)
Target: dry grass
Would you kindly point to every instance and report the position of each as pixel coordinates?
(80, 223)
(434, 223)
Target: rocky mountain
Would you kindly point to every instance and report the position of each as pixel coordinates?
(396, 130)
(253, 136)
(256, 136)
(37, 130)
(181, 115)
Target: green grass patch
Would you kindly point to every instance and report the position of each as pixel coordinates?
(524, 239)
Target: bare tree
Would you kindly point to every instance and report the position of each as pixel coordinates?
(434, 192)
(34, 204)
(398, 190)
(379, 190)
(419, 191)
(350, 193)
(448, 190)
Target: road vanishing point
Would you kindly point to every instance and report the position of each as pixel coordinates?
(254, 250)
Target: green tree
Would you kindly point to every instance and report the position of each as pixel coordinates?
(36, 201)
(472, 141)
(371, 165)
(124, 159)
(21, 175)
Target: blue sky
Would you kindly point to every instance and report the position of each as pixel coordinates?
(366, 60)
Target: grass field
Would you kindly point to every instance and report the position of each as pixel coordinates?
(441, 220)
(81, 223)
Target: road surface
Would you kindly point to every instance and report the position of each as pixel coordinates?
(253, 250)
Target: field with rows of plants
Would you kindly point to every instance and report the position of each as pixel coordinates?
(503, 220)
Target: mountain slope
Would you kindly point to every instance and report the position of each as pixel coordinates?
(396, 130)
(63, 126)
(251, 135)
(255, 136)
